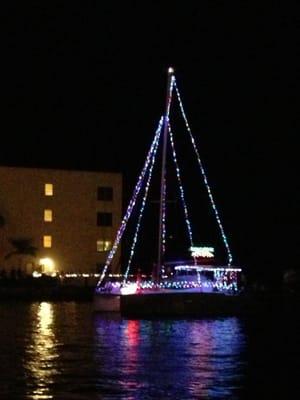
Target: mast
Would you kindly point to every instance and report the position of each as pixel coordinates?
(163, 172)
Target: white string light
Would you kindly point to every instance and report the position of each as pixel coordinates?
(164, 229)
(225, 241)
(182, 196)
(132, 202)
(164, 184)
(147, 172)
(141, 210)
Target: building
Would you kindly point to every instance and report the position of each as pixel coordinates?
(71, 217)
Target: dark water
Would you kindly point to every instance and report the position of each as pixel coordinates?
(64, 351)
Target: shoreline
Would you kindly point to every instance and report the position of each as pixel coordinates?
(55, 293)
(260, 303)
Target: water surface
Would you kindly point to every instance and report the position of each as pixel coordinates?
(65, 351)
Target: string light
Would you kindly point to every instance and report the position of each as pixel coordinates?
(141, 211)
(182, 196)
(164, 217)
(225, 241)
(162, 226)
(132, 201)
(164, 230)
(224, 278)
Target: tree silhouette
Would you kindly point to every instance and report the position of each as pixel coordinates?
(22, 247)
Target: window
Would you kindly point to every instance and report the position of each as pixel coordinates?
(103, 245)
(48, 215)
(105, 193)
(48, 189)
(47, 241)
(104, 219)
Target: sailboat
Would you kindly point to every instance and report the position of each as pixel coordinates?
(193, 286)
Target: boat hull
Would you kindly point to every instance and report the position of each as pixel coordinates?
(106, 302)
(180, 304)
(188, 304)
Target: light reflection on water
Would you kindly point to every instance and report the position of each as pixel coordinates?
(41, 352)
(64, 351)
(163, 359)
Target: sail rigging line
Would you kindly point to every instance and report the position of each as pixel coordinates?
(132, 202)
(137, 229)
(210, 195)
(164, 230)
(182, 195)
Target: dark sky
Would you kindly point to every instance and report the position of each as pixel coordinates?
(83, 86)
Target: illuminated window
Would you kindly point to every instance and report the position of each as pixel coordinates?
(48, 189)
(48, 215)
(105, 193)
(103, 245)
(104, 219)
(47, 241)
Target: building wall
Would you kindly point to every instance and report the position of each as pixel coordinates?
(74, 205)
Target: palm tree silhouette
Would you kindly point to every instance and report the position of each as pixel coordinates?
(22, 247)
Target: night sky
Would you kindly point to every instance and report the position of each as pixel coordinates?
(83, 87)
